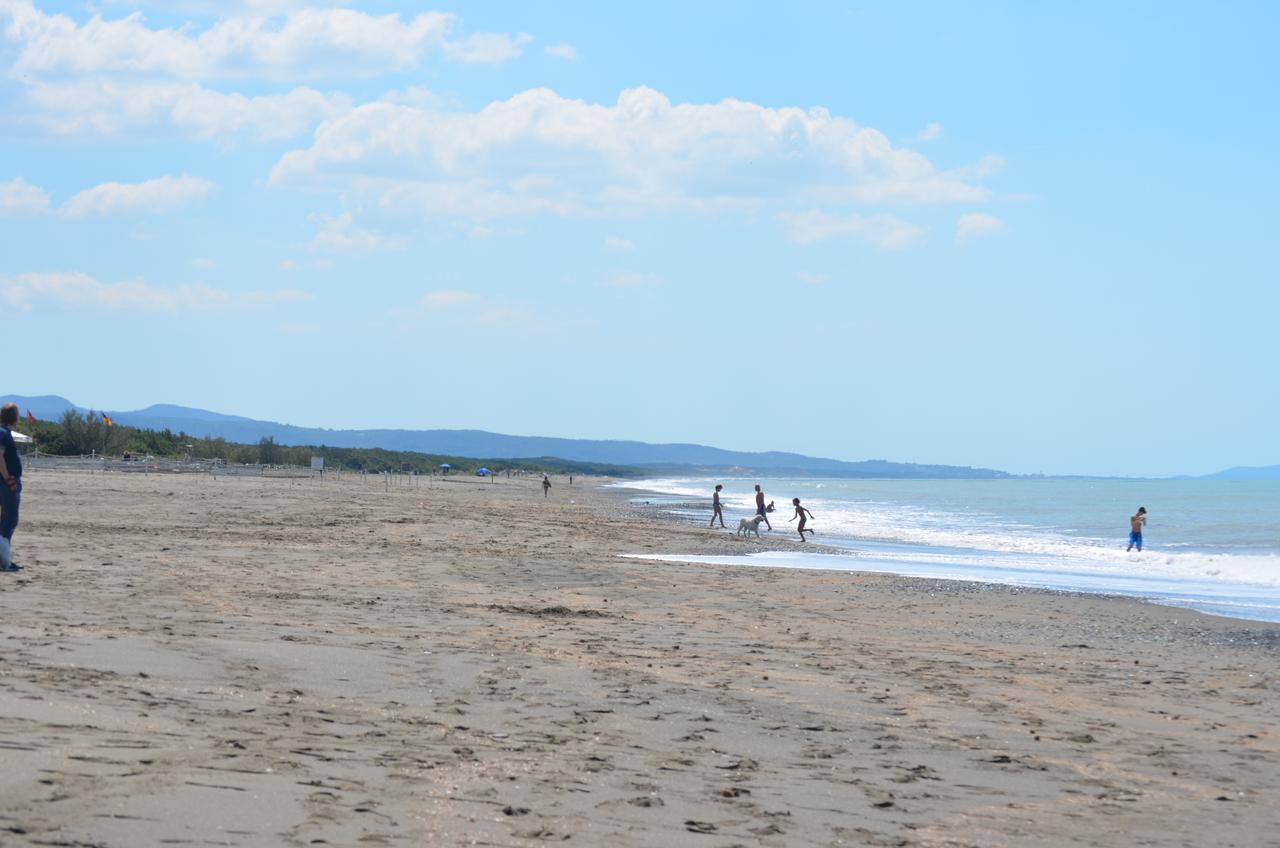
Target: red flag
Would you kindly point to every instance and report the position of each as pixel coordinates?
(31, 417)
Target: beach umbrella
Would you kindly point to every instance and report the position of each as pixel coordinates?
(444, 467)
(483, 472)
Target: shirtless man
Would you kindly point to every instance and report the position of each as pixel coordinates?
(760, 508)
(1136, 522)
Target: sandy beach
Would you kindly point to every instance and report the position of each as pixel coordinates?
(199, 661)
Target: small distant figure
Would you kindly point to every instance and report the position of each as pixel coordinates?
(801, 512)
(761, 509)
(716, 508)
(546, 485)
(10, 484)
(1136, 522)
(570, 479)
(770, 507)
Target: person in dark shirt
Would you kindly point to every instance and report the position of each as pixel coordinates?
(716, 507)
(10, 480)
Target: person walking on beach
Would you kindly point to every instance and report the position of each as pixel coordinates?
(1136, 522)
(10, 484)
(760, 507)
(716, 508)
(801, 512)
(546, 485)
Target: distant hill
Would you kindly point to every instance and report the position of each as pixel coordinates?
(1245, 472)
(44, 407)
(480, 443)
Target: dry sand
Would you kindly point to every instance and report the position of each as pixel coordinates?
(189, 661)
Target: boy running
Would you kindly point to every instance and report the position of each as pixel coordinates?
(801, 512)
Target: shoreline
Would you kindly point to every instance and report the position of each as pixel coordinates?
(863, 557)
(274, 662)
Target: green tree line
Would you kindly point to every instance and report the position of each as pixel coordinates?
(81, 435)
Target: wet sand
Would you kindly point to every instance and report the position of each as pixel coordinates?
(190, 661)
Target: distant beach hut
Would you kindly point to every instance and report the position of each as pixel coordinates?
(483, 472)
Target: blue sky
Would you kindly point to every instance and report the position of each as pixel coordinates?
(1002, 234)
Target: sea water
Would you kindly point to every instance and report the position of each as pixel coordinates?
(1213, 546)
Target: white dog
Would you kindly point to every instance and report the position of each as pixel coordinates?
(750, 525)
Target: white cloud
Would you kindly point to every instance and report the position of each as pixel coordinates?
(81, 291)
(813, 278)
(931, 131)
(223, 7)
(304, 43)
(619, 243)
(538, 152)
(338, 234)
(108, 107)
(19, 197)
(446, 299)
(563, 51)
(977, 225)
(487, 48)
(472, 312)
(633, 280)
(163, 194)
(884, 231)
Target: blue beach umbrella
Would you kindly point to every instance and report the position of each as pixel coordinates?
(483, 472)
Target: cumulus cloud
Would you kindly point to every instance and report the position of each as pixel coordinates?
(339, 234)
(108, 107)
(304, 43)
(886, 232)
(19, 197)
(563, 51)
(538, 152)
(80, 291)
(223, 7)
(487, 48)
(977, 225)
(931, 131)
(164, 194)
